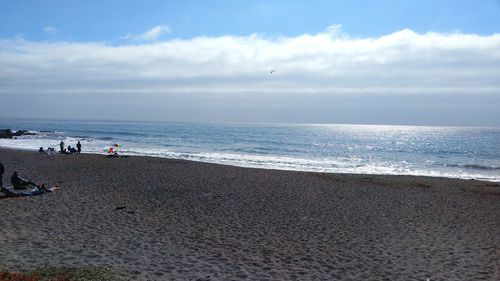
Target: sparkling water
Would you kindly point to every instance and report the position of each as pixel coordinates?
(469, 153)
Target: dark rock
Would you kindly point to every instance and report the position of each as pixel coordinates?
(23, 133)
(8, 134)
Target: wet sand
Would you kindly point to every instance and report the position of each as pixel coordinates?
(164, 219)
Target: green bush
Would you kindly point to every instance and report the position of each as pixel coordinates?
(65, 274)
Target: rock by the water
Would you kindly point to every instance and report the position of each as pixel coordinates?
(8, 134)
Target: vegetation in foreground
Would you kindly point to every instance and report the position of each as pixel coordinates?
(64, 274)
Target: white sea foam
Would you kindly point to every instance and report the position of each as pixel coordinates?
(328, 165)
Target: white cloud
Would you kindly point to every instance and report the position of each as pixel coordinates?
(150, 35)
(50, 30)
(330, 62)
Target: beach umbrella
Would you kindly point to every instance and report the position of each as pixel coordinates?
(113, 148)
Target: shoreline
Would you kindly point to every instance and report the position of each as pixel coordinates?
(272, 169)
(162, 219)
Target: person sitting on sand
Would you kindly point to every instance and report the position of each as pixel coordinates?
(40, 150)
(20, 183)
(50, 150)
(112, 152)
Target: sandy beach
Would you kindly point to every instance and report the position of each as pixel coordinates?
(164, 219)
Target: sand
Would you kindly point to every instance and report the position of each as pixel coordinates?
(163, 219)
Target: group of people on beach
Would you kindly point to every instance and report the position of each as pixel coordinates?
(20, 186)
(62, 149)
(70, 150)
(23, 187)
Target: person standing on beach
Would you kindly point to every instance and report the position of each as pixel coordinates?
(79, 147)
(61, 146)
(2, 169)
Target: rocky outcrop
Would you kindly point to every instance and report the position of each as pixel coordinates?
(8, 134)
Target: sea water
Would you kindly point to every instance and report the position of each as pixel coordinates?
(468, 153)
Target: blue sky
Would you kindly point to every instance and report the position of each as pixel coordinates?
(110, 20)
(369, 62)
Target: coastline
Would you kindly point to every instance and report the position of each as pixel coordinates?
(189, 220)
(493, 182)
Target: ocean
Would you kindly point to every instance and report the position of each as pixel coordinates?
(455, 152)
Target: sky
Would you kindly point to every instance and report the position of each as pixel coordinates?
(350, 62)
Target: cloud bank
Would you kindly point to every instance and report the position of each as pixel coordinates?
(329, 62)
(330, 77)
